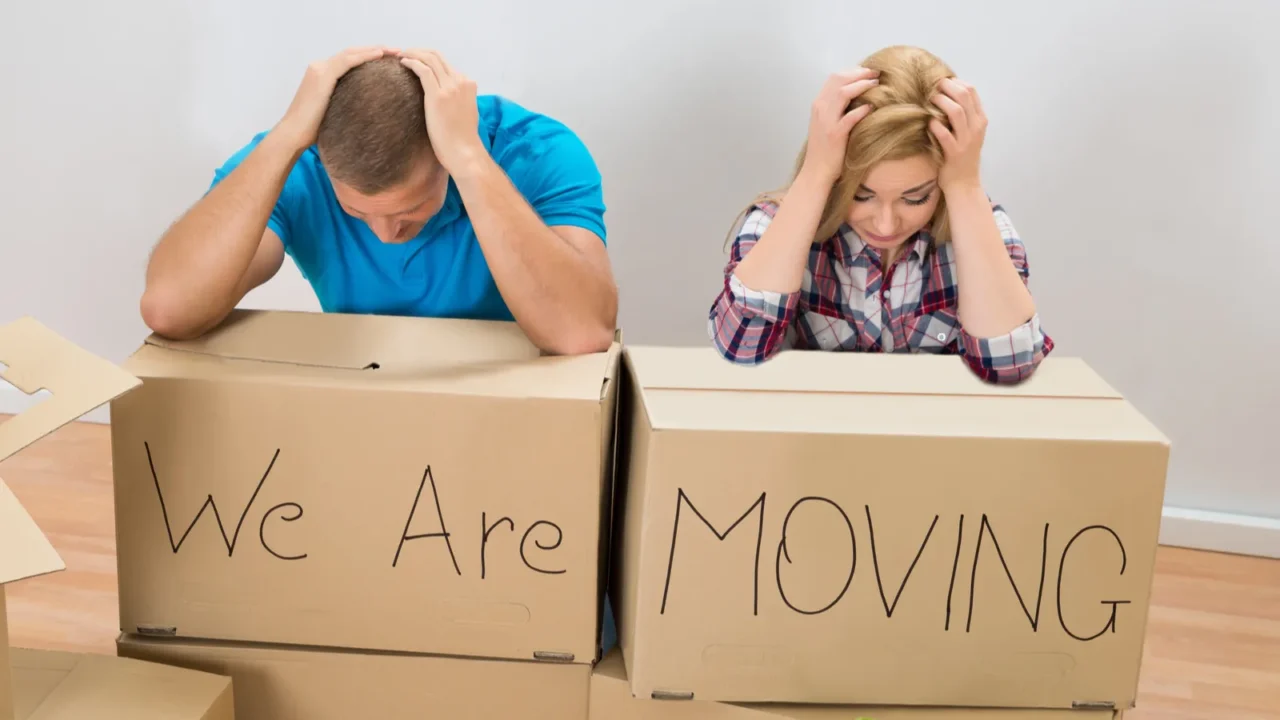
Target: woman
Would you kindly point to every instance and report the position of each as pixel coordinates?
(884, 241)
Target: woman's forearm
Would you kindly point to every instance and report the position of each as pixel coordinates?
(994, 300)
(777, 261)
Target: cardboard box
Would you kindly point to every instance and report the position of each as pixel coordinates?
(50, 685)
(280, 683)
(611, 699)
(879, 529)
(366, 482)
(41, 685)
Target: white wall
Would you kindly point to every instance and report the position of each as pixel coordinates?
(1134, 144)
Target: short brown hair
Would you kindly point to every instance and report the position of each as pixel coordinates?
(375, 127)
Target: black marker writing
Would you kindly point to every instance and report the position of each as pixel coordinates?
(888, 609)
(986, 529)
(1124, 562)
(484, 536)
(524, 540)
(444, 533)
(262, 528)
(209, 503)
(782, 552)
(954, 567)
(681, 499)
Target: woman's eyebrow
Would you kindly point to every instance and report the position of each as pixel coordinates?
(910, 191)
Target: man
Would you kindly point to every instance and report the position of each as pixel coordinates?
(396, 190)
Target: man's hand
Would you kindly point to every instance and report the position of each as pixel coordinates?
(301, 122)
(452, 115)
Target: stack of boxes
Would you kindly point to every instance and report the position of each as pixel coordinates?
(67, 382)
(362, 516)
(367, 516)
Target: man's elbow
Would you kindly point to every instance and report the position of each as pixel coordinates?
(166, 316)
(584, 340)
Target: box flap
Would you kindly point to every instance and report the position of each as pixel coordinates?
(40, 360)
(357, 342)
(37, 673)
(24, 551)
(113, 688)
(377, 353)
(611, 667)
(668, 368)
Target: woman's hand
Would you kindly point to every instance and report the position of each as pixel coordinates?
(831, 121)
(962, 144)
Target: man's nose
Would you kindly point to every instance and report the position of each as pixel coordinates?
(386, 229)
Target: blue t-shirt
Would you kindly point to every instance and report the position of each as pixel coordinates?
(442, 271)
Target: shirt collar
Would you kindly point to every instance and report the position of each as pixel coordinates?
(849, 248)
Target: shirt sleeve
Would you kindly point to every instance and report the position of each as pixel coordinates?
(1012, 357)
(749, 326)
(555, 172)
(279, 221)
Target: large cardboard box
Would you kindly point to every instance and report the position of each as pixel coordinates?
(282, 683)
(367, 482)
(43, 685)
(611, 699)
(880, 529)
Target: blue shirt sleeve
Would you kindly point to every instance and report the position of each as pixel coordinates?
(279, 222)
(554, 170)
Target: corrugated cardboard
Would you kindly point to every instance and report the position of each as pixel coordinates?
(279, 683)
(611, 699)
(878, 529)
(68, 686)
(367, 482)
(36, 685)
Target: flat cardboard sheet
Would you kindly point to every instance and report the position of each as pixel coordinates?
(450, 500)
(52, 685)
(278, 683)
(67, 382)
(36, 360)
(611, 699)
(25, 552)
(911, 536)
(39, 360)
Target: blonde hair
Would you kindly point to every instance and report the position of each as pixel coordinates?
(897, 128)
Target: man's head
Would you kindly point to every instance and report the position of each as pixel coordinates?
(374, 145)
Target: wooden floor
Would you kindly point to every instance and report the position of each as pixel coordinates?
(1213, 649)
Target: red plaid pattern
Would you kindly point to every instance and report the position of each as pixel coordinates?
(848, 302)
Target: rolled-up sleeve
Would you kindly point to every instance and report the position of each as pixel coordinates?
(1014, 356)
(1009, 358)
(749, 326)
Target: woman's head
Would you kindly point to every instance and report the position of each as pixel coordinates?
(887, 190)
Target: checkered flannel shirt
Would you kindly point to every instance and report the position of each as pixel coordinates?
(848, 302)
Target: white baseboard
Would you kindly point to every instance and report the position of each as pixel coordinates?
(1181, 527)
(1221, 532)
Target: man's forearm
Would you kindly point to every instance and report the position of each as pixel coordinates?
(993, 298)
(564, 302)
(197, 270)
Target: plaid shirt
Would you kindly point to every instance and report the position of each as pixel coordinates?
(847, 301)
